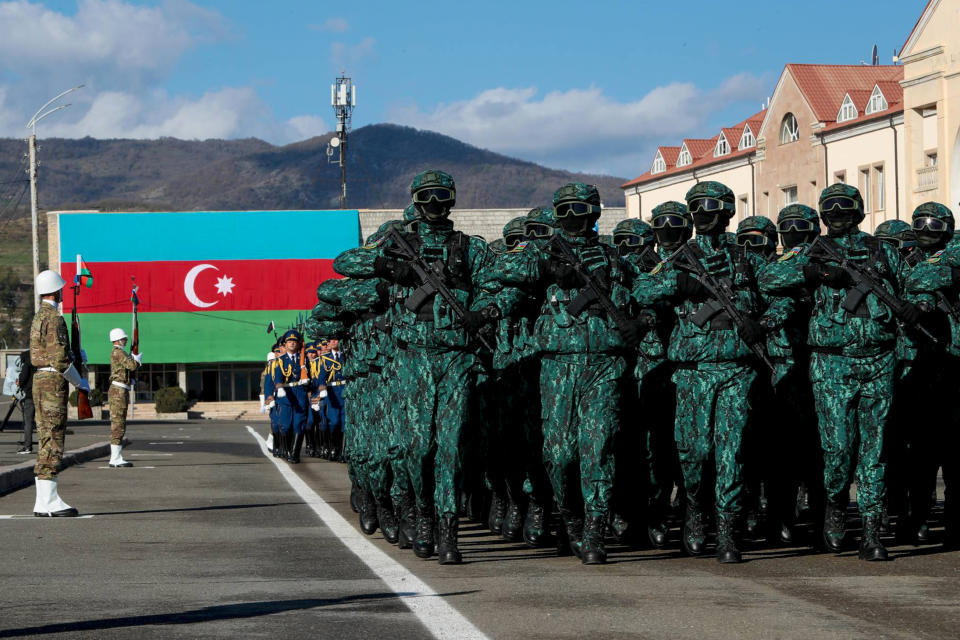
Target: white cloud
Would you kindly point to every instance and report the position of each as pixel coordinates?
(305, 127)
(350, 55)
(333, 25)
(581, 128)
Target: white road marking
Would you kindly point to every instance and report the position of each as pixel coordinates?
(180, 436)
(32, 517)
(440, 619)
(134, 467)
(177, 442)
(147, 454)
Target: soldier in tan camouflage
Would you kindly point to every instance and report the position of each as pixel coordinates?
(50, 354)
(122, 365)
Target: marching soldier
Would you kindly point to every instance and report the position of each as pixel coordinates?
(50, 354)
(122, 365)
(291, 395)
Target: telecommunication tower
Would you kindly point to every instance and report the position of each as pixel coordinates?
(343, 98)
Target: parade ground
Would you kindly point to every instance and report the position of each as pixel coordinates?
(207, 536)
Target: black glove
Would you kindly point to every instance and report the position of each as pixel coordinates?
(563, 274)
(910, 314)
(688, 286)
(473, 321)
(632, 332)
(399, 271)
(827, 274)
(752, 332)
(383, 289)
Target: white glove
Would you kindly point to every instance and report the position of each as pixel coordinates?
(73, 376)
(281, 393)
(262, 398)
(138, 357)
(315, 406)
(271, 405)
(323, 393)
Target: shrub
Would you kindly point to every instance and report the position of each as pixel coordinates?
(170, 400)
(97, 398)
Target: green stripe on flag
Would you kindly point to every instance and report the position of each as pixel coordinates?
(224, 336)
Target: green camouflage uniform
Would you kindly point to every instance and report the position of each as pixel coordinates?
(49, 348)
(118, 398)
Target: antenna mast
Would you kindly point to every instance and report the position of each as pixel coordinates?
(343, 98)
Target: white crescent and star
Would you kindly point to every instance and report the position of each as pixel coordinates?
(224, 285)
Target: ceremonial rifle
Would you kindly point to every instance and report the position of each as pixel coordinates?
(83, 397)
(865, 280)
(135, 341)
(431, 277)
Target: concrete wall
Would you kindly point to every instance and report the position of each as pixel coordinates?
(486, 223)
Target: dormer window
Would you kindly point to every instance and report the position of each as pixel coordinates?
(684, 158)
(747, 140)
(877, 101)
(722, 148)
(659, 165)
(847, 110)
(789, 131)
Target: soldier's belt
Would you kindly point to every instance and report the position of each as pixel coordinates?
(290, 385)
(336, 383)
(120, 384)
(48, 370)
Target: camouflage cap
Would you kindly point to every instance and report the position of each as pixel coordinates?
(756, 223)
(798, 211)
(577, 192)
(432, 178)
(515, 226)
(636, 226)
(893, 229)
(410, 213)
(711, 189)
(671, 207)
(933, 210)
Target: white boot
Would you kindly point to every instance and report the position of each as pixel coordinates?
(49, 503)
(270, 442)
(116, 456)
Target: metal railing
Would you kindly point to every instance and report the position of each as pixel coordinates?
(926, 178)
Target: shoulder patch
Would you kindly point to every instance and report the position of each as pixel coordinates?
(519, 248)
(935, 257)
(376, 243)
(789, 255)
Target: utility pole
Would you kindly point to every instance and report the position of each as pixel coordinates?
(34, 222)
(343, 98)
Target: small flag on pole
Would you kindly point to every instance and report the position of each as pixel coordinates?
(271, 327)
(83, 276)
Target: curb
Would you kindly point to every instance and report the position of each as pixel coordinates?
(21, 475)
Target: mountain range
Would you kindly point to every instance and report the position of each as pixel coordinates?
(194, 175)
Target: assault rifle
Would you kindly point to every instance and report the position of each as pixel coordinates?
(865, 279)
(592, 291)
(432, 282)
(722, 299)
(84, 411)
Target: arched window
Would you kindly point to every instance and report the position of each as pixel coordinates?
(722, 148)
(847, 110)
(877, 101)
(789, 131)
(747, 140)
(659, 165)
(684, 158)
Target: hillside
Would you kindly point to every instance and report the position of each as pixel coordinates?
(177, 174)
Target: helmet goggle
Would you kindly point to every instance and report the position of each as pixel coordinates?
(899, 243)
(629, 240)
(929, 223)
(670, 220)
(440, 194)
(801, 225)
(537, 230)
(513, 239)
(710, 205)
(565, 209)
(753, 240)
(843, 203)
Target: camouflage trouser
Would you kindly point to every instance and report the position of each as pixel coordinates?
(521, 433)
(853, 397)
(118, 400)
(354, 449)
(439, 383)
(399, 432)
(50, 398)
(655, 420)
(581, 416)
(378, 434)
(713, 404)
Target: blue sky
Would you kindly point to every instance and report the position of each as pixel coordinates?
(581, 86)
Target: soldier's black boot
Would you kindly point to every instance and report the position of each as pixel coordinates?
(277, 444)
(408, 523)
(368, 513)
(693, 537)
(297, 444)
(423, 540)
(534, 525)
(592, 549)
(620, 527)
(447, 550)
(657, 533)
(727, 552)
(355, 496)
(834, 526)
(388, 521)
(870, 546)
(513, 523)
(498, 511)
(572, 526)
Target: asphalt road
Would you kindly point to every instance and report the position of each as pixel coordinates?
(206, 537)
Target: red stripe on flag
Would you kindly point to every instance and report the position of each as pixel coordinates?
(213, 285)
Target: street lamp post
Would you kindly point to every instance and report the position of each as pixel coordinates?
(32, 144)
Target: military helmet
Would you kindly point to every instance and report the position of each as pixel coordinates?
(577, 192)
(635, 226)
(515, 226)
(801, 211)
(541, 223)
(843, 198)
(716, 196)
(670, 207)
(537, 211)
(762, 224)
(432, 178)
(926, 215)
(893, 229)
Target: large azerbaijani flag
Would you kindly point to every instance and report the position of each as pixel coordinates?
(210, 282)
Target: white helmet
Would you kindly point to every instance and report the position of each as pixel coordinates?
(49, 282)
(117, 334)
